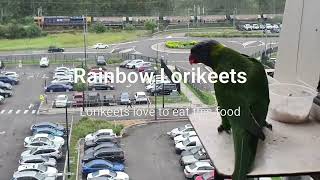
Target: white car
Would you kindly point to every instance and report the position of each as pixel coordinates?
(44, 62)
(38, 159)
(141, 97)
(41, 142)
(247, 27)
(151, 86)
(184, 136)
(2, 99)
(100, 132)
(56, 139)
(45, 151)
(12, 74)
(180, 130)
(115, 175)
(187, 144)
(46, 170)
(197, 168)
(61, 101)
(255, 26)
(143, 64)
(63, 80)
(62, 68)
(100, 46)
(132, 64)
(59, 75)
(269, 26)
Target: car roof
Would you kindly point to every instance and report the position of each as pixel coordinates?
(112, 149)
(98, 161)
(25, 158)
(24, 173)
(141, 93)
(104, 130)
(202, 163)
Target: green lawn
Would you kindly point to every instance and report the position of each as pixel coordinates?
(69, 40)
(205, 97)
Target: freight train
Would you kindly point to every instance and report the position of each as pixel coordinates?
(78, 21)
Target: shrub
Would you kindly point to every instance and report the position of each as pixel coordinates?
(129, 27)
(80, 87)
(150, 25)
(180, 44)
(98, 28)
(15, 31)
(33, 31)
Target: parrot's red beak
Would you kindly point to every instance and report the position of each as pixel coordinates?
(193, 59)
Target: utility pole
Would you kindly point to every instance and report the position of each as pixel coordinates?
(188, 14)
(85, 38)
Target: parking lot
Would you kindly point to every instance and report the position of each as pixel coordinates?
(150, 153)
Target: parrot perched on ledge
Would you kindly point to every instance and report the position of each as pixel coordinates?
(252, 97)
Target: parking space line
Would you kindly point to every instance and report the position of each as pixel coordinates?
(25, 111)
(18, 111)
(10, 111)
(2, 111)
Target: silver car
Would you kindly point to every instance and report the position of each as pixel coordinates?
(32, 175)
(41, 142)
(38, 159)
(45, 151)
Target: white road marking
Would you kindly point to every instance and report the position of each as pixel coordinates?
(245, 44)
(34, 111)
(2, 132)
(10, 111)
(2, 111)
(25, 111)
(30, 106)
(18, 111)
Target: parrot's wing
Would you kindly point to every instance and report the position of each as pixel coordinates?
(246, 120)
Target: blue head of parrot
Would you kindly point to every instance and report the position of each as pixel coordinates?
(200, 53)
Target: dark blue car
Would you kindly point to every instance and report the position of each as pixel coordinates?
(47, 125)
(58, 88)
(99, 164)
(9, 80)
(47, 130)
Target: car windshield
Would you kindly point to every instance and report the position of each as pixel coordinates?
(198, 155)
(40, 176)
(186, 142)
(206, 176)
(42, 168)
(194, 150)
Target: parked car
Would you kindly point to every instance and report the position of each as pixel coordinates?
(66, 80)
(180, 130)
(109, 100)
(44, 62)
(197, 168)
(1, 64)
(45, 151)
(189, 159)
(206, 176)
(92, 99)
(111, 154)
(61, 101)
(125, 98)
(141, 97)
(58, 88)
(132, 64)
(187, 144)
(247, 27)
(100, 132)
(56, 139)
(148, 70)
(47, 125)
(9, 80)
(77, 99)
(40, 142)
(158, 83)
(5, 86)
(6, 93)
(124, 63)
(12, 74)
(101, 146)
(46, 170)
(101, 60)
(62, 68)
(114, 175)
(163, 89)
(184, 136)
(99, 140)
(31, 175)
(100, 46)
(100, 86)
(100, 164)
(48, 130)
(269, 26)
(53, 49)
(143, 65)
(38, 159)
(2, 99)
(255, 26)
(192, 151)
(62, 74)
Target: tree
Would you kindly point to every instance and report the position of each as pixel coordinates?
(150, 25)
(33, 31)
(98, 28)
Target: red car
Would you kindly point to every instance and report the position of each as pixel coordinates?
(206, 176)
(143, 67)
(78, 99)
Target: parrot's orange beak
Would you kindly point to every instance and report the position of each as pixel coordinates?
(193, 59)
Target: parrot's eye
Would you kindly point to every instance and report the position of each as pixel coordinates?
(193, 59)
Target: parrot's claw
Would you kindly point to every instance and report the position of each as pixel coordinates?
(269, 126)
(221, 129)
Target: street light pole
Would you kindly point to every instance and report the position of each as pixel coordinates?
(85, 39)
(67, 128)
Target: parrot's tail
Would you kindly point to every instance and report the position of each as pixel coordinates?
(245, 146)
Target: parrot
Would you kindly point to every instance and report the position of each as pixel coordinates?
(252, 97)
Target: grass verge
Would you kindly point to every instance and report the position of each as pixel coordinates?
(205, 97)
(180, 44)
(69, 40)
(170, 99)
(81, 129)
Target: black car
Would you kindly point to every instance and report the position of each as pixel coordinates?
(99, 140)
(100, 86)
(9, 80)
(101, 146)
(111, 154)
(163, 89)
(124, 63)
(53, 49)
(101, 60)
(5, 93)
(92, 99)
(109, 100)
